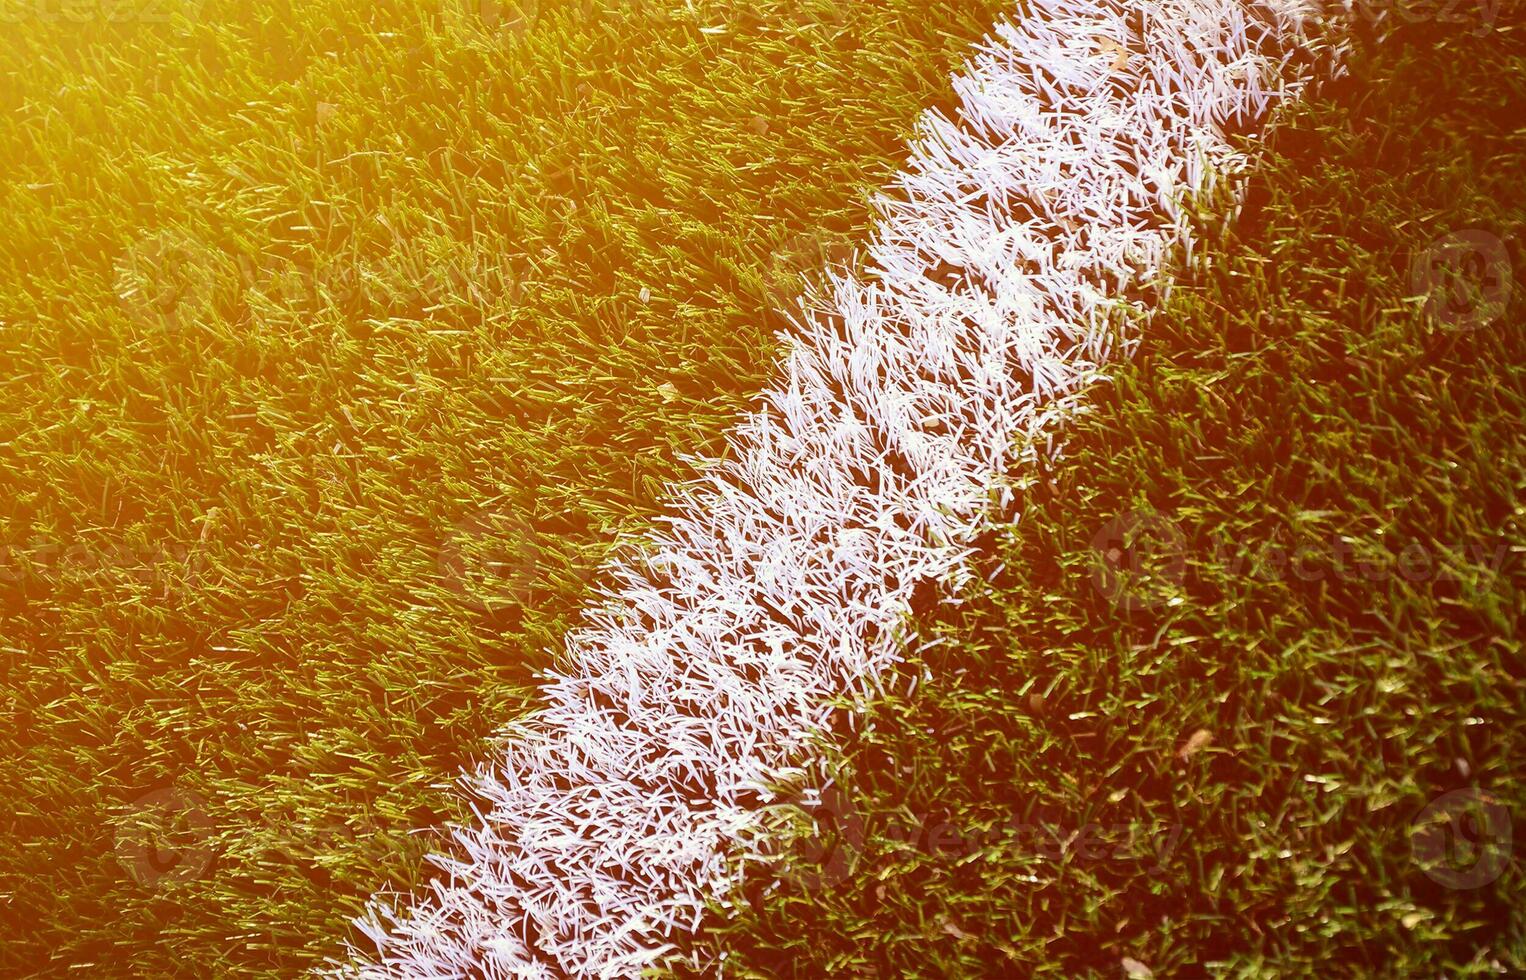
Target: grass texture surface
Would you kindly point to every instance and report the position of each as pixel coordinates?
(782, 580)
(1239, 693)
(340, 342)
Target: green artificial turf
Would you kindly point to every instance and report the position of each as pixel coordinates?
(340, 340)
(1260, 613)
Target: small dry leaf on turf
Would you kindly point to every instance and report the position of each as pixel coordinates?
(1135, 970)
(951, 929)
(1195, 743)
(209, 521)
(1119, 52)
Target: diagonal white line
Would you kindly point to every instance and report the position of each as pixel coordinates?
(994, 284)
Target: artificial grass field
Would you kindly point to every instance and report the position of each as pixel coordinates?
(340, 340)
(1196, 741)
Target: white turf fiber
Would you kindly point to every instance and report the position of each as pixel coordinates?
(995, 282)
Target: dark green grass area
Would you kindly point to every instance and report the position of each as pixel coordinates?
(339, 341)
(1241, 691)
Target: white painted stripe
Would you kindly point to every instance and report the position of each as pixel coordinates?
(780, 577)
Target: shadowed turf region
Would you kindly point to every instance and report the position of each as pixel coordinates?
(341, 339)
(1241, 692)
